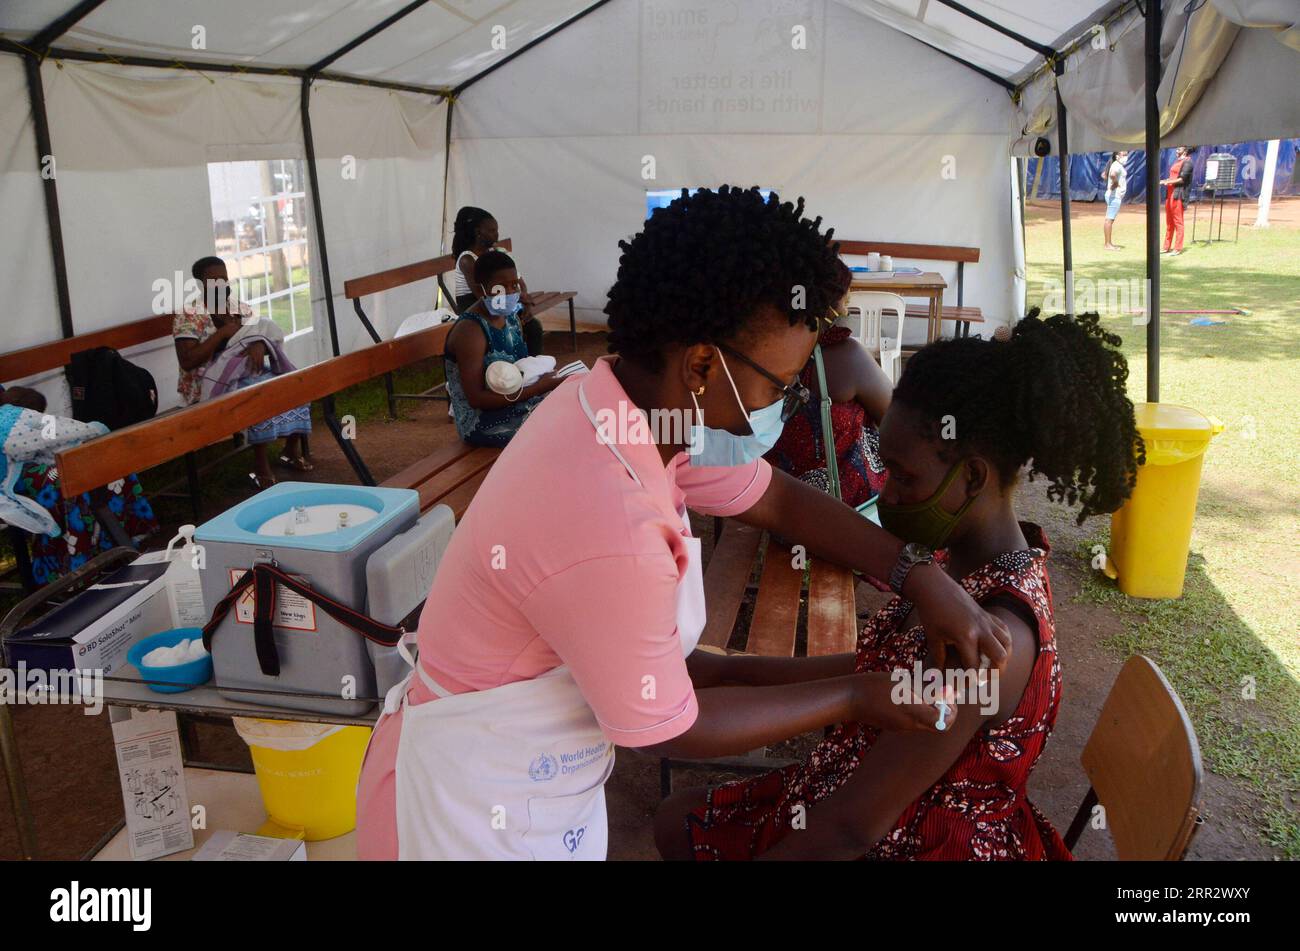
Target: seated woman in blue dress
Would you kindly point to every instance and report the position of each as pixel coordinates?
(487, 332)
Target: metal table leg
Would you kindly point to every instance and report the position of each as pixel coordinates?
(17, 786)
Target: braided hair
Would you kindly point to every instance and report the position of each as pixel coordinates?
(1053, 395)
(701, 269)
(465, 231)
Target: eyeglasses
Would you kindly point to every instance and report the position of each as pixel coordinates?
(795, 396)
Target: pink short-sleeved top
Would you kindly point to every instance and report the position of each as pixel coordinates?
(565, 558)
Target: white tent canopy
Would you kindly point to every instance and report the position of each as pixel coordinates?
(894, 118)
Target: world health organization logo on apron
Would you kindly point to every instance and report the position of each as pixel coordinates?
(543, 768)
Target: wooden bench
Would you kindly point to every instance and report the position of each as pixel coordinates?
(743, 553)
(449, 476)
(434, 268)
(747, 561)
(168, 437)
(961, 314)
(56, 355)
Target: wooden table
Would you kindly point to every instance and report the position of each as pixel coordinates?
(741, 554)
(928, 284)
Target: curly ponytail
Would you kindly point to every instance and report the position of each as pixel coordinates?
(1053, 395)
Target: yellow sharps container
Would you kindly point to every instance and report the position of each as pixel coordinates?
(307, 773)
(1150, 536)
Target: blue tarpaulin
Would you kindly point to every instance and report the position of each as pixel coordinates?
(1087, 171)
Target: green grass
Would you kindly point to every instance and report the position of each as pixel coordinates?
(1236, 622)
(279, 309)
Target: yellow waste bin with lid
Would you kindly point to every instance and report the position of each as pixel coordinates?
(1151, 535)
(307, 773)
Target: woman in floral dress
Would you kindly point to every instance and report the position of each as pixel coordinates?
(1053, 397)
(64, 533)
(860, 393)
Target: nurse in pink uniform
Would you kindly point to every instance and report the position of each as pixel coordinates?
(564, 616)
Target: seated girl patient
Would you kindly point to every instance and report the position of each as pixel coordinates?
(489, 331)
(967, 415)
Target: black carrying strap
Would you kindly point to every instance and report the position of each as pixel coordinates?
(264, 578)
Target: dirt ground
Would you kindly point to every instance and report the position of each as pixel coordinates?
(72, 782)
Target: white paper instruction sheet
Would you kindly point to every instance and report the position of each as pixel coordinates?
(153, 784)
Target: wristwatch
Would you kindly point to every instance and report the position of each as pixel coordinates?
(911, 556)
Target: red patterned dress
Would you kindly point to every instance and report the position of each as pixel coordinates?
(978, 809)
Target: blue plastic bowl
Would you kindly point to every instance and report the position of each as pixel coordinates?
(179, 678)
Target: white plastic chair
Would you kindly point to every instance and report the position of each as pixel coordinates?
(871, 306)
(423, 321)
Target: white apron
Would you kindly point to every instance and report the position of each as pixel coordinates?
(516, 771)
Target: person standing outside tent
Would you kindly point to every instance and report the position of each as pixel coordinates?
(1176, 187)
(564, 616)
(1116, 185)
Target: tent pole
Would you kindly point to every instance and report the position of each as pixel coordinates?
(1153, 198)
(992, 77)
(310, 147)
(1063, 147)
(203, 66)
(41, 41)
(446, 178)
(527, 46)
(44, 153)
(373, 31)
(1040, 48)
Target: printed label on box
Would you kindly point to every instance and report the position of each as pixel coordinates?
(292, 611)
(149, 766)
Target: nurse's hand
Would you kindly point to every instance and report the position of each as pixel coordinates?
(951, 617)
(887, 704)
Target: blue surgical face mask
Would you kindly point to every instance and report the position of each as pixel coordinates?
(718, 447)
(501, 305)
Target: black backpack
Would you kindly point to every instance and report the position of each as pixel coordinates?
(109, 389)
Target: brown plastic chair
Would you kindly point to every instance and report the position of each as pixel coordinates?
(1145, 767)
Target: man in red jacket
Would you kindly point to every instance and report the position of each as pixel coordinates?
(1176, 186)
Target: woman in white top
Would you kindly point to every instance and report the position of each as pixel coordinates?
(475, 233)
(1116, 185)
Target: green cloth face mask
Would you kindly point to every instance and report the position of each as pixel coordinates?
(925, 523)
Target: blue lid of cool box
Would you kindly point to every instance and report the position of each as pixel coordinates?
(240, 522)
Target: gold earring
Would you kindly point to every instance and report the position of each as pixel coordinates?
(700, 391)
